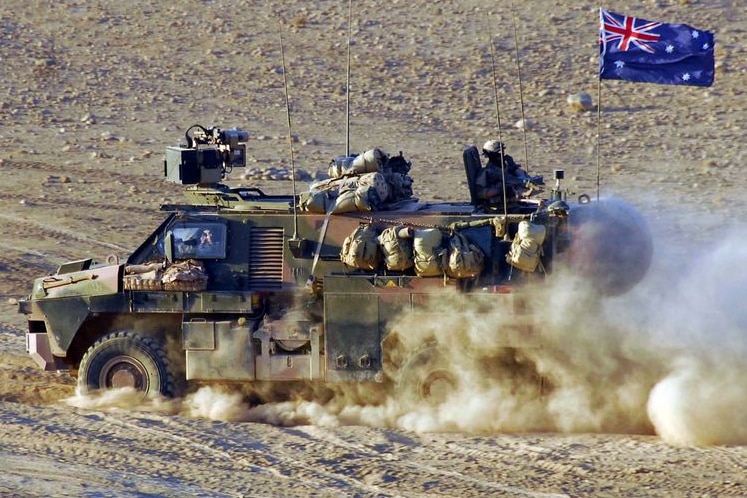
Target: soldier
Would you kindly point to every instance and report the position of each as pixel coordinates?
(490, 180)
(518, 182)
(206, 239)
(495, 152)
(205, 246)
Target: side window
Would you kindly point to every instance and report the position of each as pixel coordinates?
(199, 240)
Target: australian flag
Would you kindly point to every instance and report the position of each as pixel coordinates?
(635, 49)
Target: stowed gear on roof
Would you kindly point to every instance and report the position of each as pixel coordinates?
(374, 181)
(367, 182)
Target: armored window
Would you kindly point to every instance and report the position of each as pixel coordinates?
(199, 240)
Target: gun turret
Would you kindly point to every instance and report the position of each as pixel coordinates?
(207, 156)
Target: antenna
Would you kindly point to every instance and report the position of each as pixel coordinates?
(323, 230)
(347, 84)
(498, 117)
(521, 92)
(290, 135)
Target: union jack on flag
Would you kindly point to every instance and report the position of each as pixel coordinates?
(634, 49)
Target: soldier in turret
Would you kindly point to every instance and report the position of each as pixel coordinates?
(518, 182)
(495, 151)
(490, 180)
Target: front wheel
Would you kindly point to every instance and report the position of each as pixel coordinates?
(426, 378)
(125, 359)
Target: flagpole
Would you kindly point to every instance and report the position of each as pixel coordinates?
(599, 105)
(599, 129)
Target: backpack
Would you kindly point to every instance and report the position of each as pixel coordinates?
(526, 247)
(465, 259)
(398, 164)
(369, 162)
(340, 166)
(366, 198)
(400, 186)
(315, 202)
(360, 249)
(345, 202)
(428, 252)
(396, 244)
(377, 182)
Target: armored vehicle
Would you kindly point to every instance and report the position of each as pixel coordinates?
(236, 285)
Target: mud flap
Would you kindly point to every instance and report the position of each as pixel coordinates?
(352, 329)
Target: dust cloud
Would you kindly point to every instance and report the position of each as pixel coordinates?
(701, 331)
(666, 358)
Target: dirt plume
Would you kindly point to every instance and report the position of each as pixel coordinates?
(666, 358)
(700, 325)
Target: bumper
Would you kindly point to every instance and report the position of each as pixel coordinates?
(37, 346)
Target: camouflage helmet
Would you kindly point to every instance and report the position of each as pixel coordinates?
(492, 147)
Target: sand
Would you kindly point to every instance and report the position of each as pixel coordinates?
(653, 400)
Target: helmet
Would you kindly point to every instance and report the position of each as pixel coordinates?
(559, 208)
(492, 147)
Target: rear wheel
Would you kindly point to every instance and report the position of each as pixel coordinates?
(125, 359)
(425, 378)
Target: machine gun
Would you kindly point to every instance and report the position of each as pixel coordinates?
(208, 155)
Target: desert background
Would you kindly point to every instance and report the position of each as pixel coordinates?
(653, 399)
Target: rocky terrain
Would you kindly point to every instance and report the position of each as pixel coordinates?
(654, 398)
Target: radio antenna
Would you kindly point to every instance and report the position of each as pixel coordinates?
(498, 118)
(521, 92)
(347, 83)
(290, 134)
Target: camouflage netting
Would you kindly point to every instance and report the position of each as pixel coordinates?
(367, 182)
(186, 275)
(143, 277)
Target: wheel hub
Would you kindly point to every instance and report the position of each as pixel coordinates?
(119, 373)
(436, 386)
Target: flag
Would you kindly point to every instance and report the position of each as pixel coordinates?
(634, 49)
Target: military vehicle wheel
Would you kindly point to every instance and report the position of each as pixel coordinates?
(125, 359)
(425, 377)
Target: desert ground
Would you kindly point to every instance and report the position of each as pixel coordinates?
(652, 398)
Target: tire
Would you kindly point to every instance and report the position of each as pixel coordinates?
(126, 359)
(425, 378)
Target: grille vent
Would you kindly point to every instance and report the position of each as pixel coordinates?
(266, 258)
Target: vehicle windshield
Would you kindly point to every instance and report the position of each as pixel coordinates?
(199, 240)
